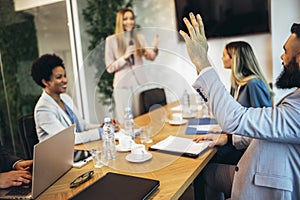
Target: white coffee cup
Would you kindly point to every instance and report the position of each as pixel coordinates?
(138, 151)
(125, 141)
(177, 117)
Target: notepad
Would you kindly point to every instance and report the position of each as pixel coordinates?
(181, 146)
(203, 126)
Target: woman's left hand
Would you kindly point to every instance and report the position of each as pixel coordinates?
(150, 54)
(156, 41)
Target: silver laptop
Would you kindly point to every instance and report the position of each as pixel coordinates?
(52, 158)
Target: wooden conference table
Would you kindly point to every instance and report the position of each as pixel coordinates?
(174, 172)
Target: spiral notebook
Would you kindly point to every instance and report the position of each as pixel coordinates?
(113, 186)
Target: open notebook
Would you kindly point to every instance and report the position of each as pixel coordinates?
(181, 146)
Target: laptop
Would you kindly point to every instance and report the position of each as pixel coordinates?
(52, 158)
(113, 186)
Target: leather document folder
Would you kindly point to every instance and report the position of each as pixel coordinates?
(113, 186)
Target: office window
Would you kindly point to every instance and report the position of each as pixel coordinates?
(24, 36)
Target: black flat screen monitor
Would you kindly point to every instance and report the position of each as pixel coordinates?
(224, 18)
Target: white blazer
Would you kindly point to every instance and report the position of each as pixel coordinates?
(51, 119)
(270, 167)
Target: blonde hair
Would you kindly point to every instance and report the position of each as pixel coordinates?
(119, 32)
(244, 65)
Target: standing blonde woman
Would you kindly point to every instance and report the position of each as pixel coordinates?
(124, 52)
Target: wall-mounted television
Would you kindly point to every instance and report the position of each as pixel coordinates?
(224, 18)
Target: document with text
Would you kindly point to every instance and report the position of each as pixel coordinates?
(181, 145)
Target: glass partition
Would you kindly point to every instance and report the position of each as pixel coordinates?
(24, 36)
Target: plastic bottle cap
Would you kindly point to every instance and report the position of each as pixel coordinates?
(106, 120)
(128, 109)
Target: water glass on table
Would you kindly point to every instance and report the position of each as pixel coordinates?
(98, 159)
(146, 134)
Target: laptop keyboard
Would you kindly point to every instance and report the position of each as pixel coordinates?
(19, 191)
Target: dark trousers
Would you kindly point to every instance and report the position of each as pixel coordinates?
(215, 180)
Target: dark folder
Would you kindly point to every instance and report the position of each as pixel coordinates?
(200, 121)
(113, 186)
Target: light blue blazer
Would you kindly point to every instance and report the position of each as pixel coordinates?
(51, 119)
(270, 167)
(254, 94)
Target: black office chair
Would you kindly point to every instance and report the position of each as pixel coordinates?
(152, 99)
(28, 134)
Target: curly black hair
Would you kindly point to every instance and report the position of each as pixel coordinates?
(296, 29)
(43, 66)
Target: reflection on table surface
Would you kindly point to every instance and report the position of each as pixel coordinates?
(174, 172)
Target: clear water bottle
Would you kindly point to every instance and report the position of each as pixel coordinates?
(109, 144)
(129, 123)
(186, 110)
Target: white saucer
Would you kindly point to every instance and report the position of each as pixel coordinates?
(174, 122)
(122, 149)
(131, 158)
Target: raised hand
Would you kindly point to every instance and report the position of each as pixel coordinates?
(196, 42)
